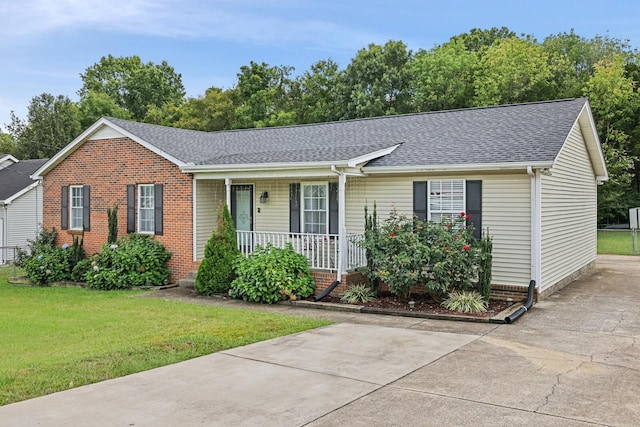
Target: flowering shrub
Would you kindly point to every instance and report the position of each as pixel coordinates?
(439, 256)
(135, 260)
(49, 265)
(44, 263)
(272, 274)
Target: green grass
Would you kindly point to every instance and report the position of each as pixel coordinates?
(615, 242)
(53, 339)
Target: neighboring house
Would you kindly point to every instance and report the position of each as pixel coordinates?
(527, 172)
(20, 204)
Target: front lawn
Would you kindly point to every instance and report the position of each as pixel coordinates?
(618, 242)
(53, 339)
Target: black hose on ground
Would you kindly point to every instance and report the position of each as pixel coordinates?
(527, 304)
(326, 292)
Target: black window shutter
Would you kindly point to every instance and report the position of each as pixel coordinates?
(64, 208)
(474, 206)
(420, 199)
(157, 206)
(131, 208)
(294, 207)
(333, 208)
(86, 208)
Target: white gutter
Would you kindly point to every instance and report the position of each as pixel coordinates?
(536, 225)
(190, 168)
(472, 167)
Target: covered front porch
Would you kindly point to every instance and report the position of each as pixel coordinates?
(309, 212)
(322, 250)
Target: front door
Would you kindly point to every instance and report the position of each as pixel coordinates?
(242, 212)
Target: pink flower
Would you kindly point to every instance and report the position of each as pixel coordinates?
(462, 213)
(465, 247)
(468, 216)
(392, 234)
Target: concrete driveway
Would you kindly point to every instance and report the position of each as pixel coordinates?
(573, 360)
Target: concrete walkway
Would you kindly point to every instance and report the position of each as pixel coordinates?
(573, 360)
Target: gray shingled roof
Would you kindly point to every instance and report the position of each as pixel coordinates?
(15, 178)
(532, 132)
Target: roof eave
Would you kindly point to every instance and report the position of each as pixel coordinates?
(252, 167)
(84, 136)
(19, 193)
(468, 167)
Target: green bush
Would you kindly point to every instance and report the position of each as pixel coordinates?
(439, 256)
(216, 272)
(485, 264)
(112, 225)
(272, 274)
(80, 270)
(49, 265)
(43, 241)
(44, 263)
(465, 301)
(136, 260)
(358, 293)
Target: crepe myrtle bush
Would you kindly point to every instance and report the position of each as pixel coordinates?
(437, 256)
(272, 274)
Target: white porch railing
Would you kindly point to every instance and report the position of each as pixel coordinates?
(322, 250)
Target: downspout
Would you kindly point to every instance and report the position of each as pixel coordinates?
(536, 224)
(527, 305)
(4, 240)
(342, 230)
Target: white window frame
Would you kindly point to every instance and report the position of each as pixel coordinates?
(76, 222)
(146, 209)
(451, 210)
(303, 223)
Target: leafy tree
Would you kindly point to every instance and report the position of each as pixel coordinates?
(214, 111)
(52, 123)
(7, 146)
(262, 96)
(319, 93)
(513, 70)
(95, 105)
(444, 77)
(377, 82)
(614, 102)
(477, 39)
(216, 271)
(133, 85)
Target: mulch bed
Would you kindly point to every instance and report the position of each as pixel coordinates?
(424, 304)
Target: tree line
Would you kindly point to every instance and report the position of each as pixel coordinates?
(478, 68)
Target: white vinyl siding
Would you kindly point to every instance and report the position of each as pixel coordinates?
(23, 220)
(505, 212)
(210, 196)
(146, 223)
(75, 207)
(569, 212)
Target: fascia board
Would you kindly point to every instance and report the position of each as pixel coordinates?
(472, 167)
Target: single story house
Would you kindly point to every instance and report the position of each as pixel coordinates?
(20, 204)
(527, 172)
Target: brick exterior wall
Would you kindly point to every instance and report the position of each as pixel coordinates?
(324, 279)
(107, 166)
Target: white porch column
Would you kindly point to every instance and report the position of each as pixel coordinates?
(227, 183)
(342, 229)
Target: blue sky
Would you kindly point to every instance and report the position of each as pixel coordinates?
(46, 44)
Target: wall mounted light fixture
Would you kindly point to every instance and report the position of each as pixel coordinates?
(264, 197)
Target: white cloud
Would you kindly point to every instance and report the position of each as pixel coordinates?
(244, 22)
